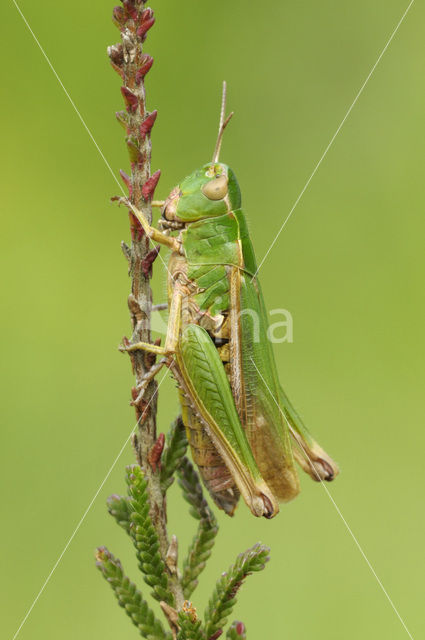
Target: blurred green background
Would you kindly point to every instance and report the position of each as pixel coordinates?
(349, 266)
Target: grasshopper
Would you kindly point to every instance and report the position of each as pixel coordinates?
(243, 431)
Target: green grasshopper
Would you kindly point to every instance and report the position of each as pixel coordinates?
(240, 424)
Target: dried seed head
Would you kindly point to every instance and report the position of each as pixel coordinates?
(172, 555)
(116, 55)
(190, 610)
(171, 615)
(129, 44)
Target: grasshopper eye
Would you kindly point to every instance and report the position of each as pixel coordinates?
(216, 189)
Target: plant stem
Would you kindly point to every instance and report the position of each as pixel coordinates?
(132, 64)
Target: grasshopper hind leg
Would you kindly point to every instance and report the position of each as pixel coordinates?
(215, 475)
(227, 500)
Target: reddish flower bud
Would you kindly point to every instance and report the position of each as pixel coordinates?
(240, 628)
(146, 14)
(147, 19)
(146, 63)
(150, 185)
(136, 228)
(127, 181)
(149, 259)
(147, 124)
(156, 452)
(130, 9)
(118, 16)
(130, 99)
(144, 28)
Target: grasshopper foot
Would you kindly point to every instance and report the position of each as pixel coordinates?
(128, 347)
(140, 390)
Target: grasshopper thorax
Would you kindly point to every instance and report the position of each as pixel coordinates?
(206, 193)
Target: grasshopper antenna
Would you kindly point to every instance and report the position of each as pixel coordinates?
(223, 123)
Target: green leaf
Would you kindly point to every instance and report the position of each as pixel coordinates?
(133, 149)
(223, 599)
(198, 555)
(119, 508)
(190, 483)
(122, 118)
(129, 597)
(174, 453)
(145, 538)
(203, 542)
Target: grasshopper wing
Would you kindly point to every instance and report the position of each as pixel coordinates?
(208, 388)
(262, 415)
(308, 453)
(270, 421)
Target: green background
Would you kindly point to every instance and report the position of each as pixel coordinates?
(349, 266)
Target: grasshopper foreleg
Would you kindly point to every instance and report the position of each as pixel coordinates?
(154, 234)
(173, 330)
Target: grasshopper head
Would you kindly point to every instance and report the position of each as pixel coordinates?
(206, 193)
